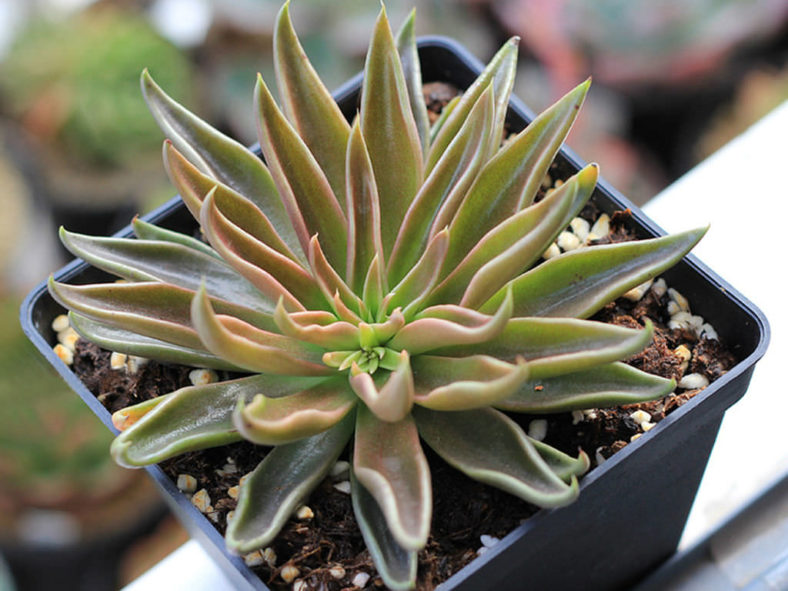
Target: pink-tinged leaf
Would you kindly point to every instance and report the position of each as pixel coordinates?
(219, 157)
(499, 72)
(578, 283)
(554, 346)
(389, 400)
(280, 420)
(335, 336)
(374, 288)
(390, 131)
(125, 341)
(384, 331)
(509, 181)
(388, 461)
(308, 105)
(414, 288)
(488, 446)
(194, 185)
(275, 275)
(253, 349)
(345, 313)
(192, 418)
(613, 384)
(302, 185)
(146, 231)
(363, 212)
(451, 384)
(425, 334)
(411, 70)
(445, 187)
(167, 262)
(331, 284)
(280, 483)
(443, 117)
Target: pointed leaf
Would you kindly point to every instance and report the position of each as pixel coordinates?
(220, 157)
(331, 284)
(509, 181)
(334, 336)
(280, 483)
(444, 115)
(275, 421)
(363, 212)
(125, 417)
(390, 131)
(411, 70)
(613, 384)
(414, 288)
(146, 231)
(389, 400)
(425, 334)
(395, 565)
(563, 465)
(193, 418)
(251, 348)
(388, 461)
(488, 446)
(579, 283)
(447, 383)
(308, 105)
(374, 287)
(302, 185)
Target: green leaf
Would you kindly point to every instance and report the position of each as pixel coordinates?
(334, 336)
(509, 181)
(281, 482)
(395, 565)
(192, 418)
(331, 284)
(220, 157)
(145, 231)
(117, 339)
(253, 349)
(563, 465)
(613, 384)
(411, 70)
(388, 461)
(451, 384)
(374, 288)
(488, 446)
(555, 346)
(390, 131)
(268, 420)
(302, 185)
(578, 283)
(389, 397)
(308, 105)
(363, 212)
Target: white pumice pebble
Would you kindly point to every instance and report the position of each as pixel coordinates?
(269, 556)
(537, 429)
(647, 426)
(679, 299)
(340, 469)
(601, 226)
(289, 573)
(232, 492)
(635, 437)
(201, 377)
(300, 585)
(229, 516)
(568, 241)
(673, 308)
(600, 459)
(578, 417)
(558, 183)
(489, 541)
(707, 331)
(186, 483)
(134, 363)
(680, 320)
(117, 360)
(201, 500)
(636, 293)
(590, 414)
(581, 228)
(68, 338)
(640, 417)
(65, 354)
(343, 486)
(481, 550)
(213, 515)
(254, 558)
(360, 580)
(229, 468)
(683, 352)
(304, 512)
(60, 323)
(551, 252)
(695, 322)
(659, 287)
(693, 381)
(547, 181)
(337, 572)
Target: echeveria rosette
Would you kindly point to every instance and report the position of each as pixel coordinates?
(378, 281)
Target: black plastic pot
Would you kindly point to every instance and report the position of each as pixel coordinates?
(631, 510)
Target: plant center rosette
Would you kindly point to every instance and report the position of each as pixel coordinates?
(380, 283)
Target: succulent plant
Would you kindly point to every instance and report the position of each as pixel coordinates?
(382, 283)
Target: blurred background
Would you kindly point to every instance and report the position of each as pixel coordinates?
(673, 81)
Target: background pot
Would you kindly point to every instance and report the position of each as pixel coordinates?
(631, 510)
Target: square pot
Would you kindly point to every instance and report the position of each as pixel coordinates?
(631, 510)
